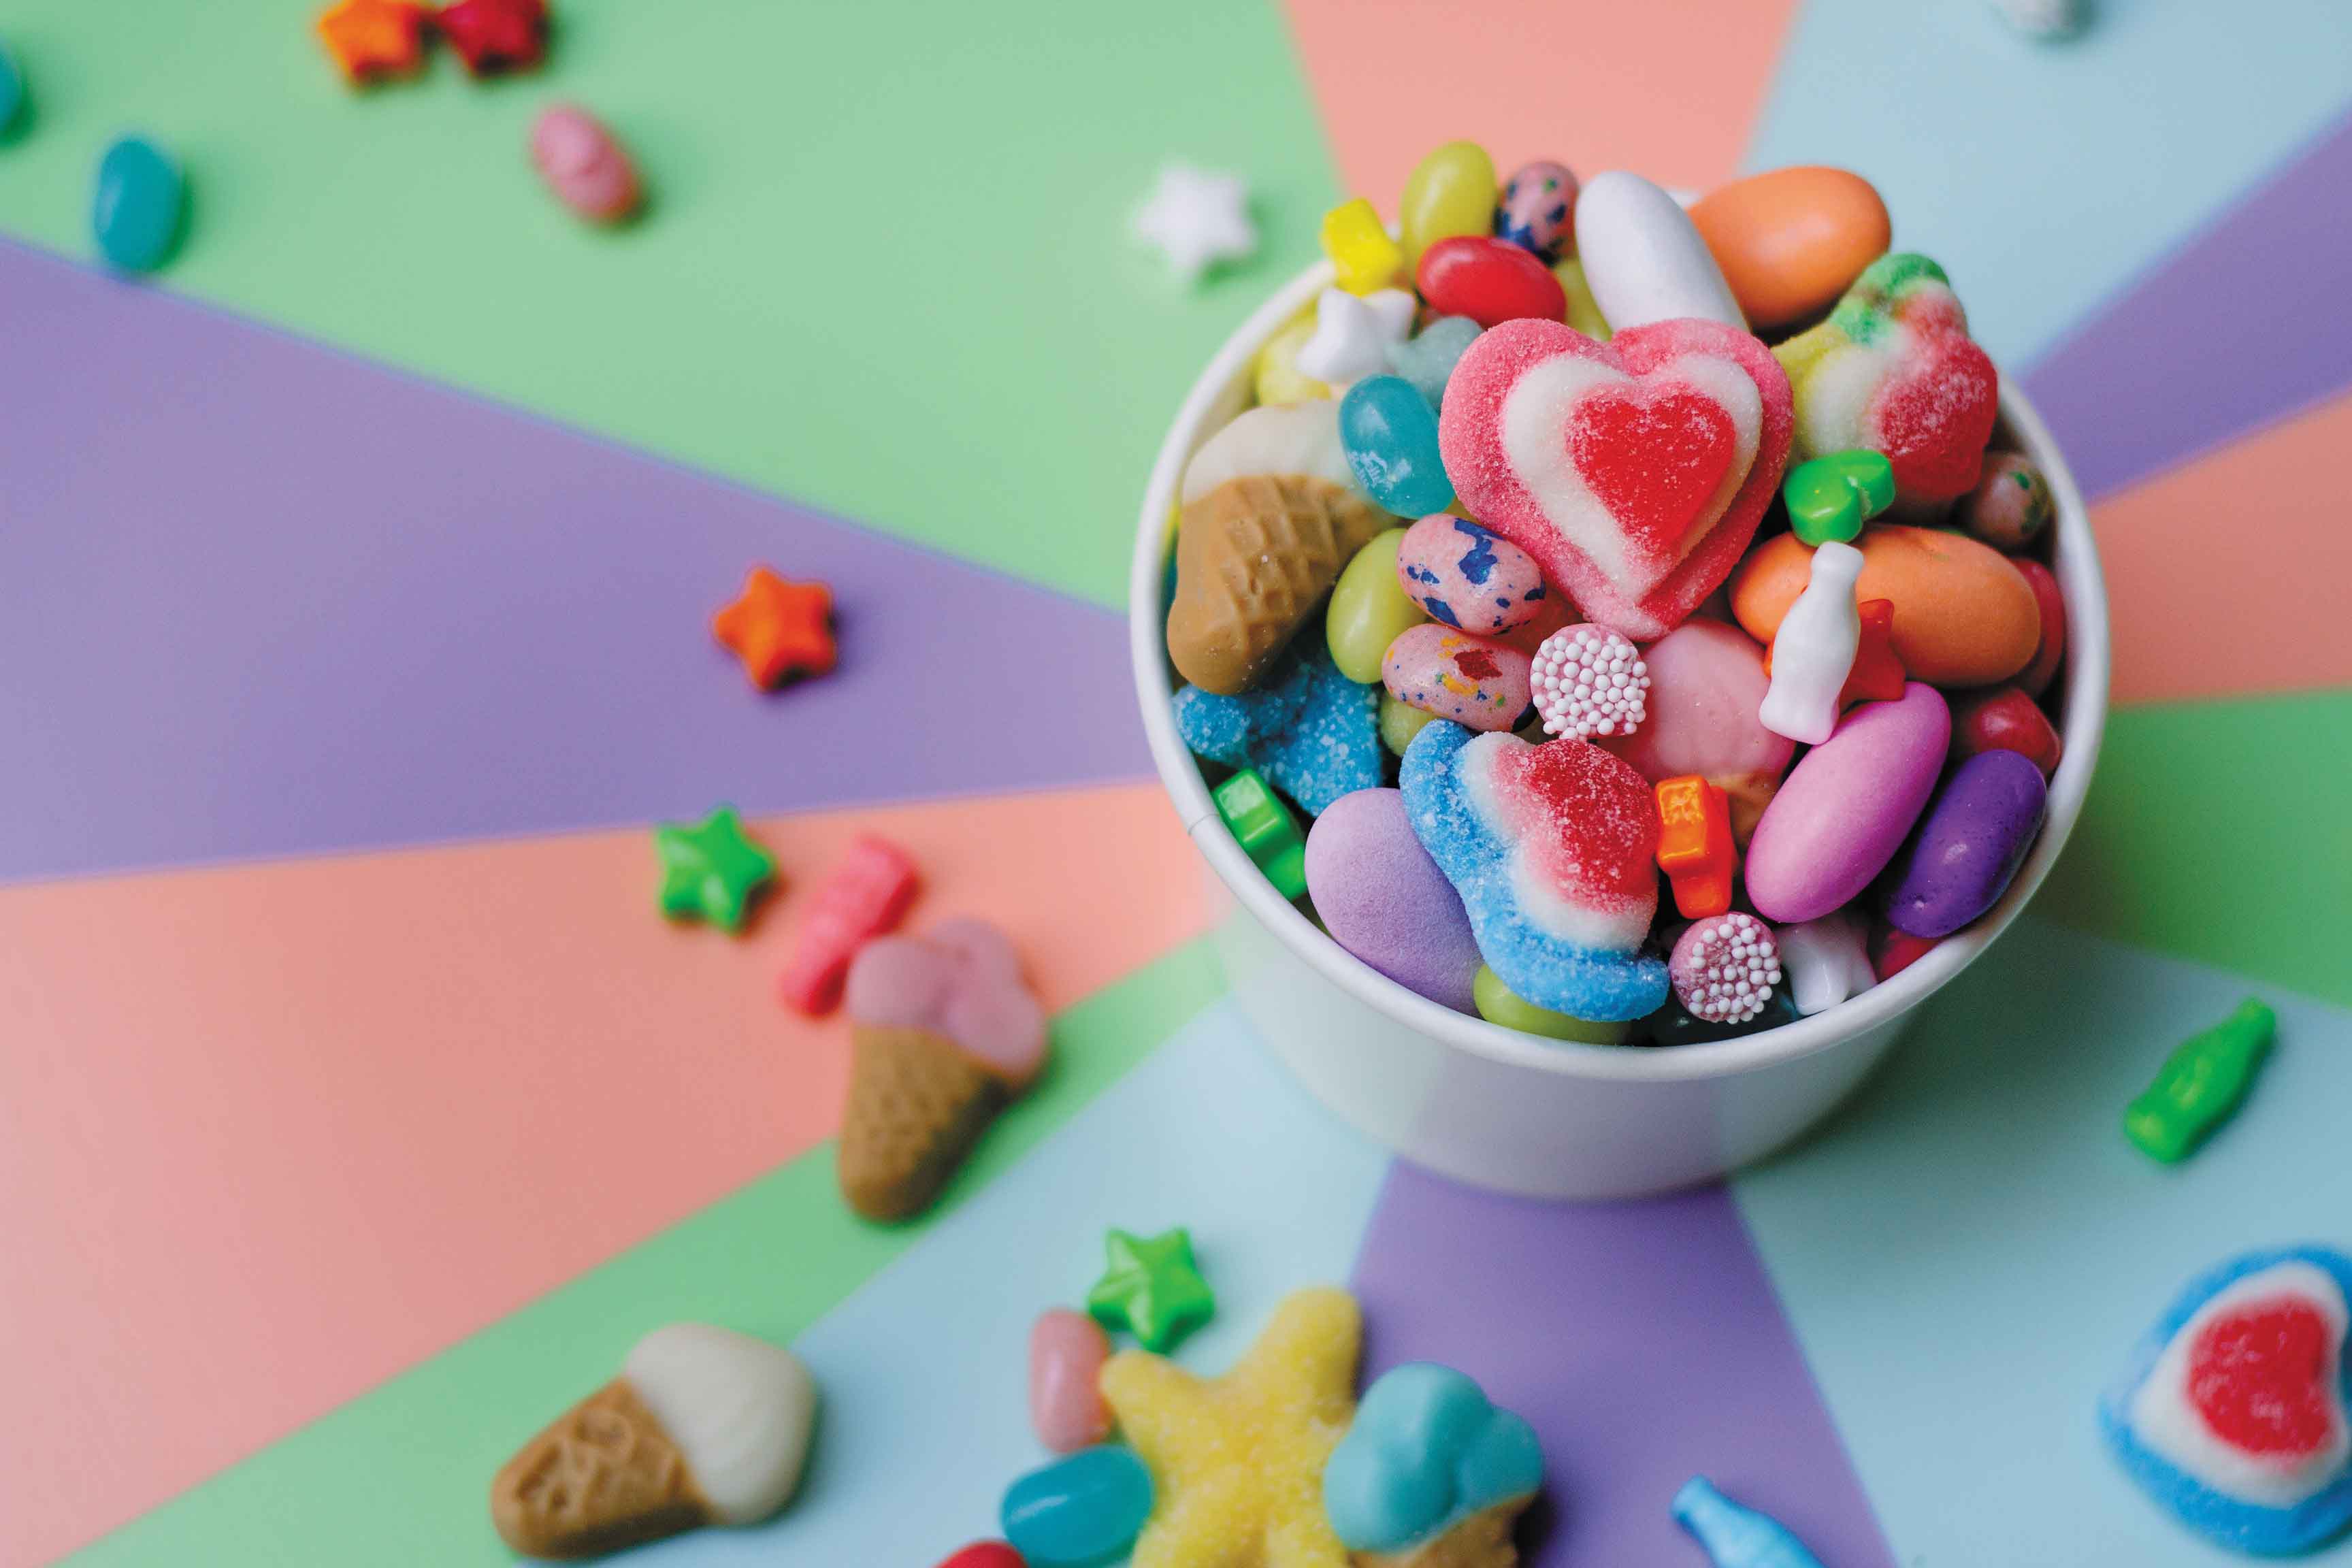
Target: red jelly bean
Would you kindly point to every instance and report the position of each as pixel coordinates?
(1489, 280)
(2006, 720)
(985, 1554)
(2038, 674)
(1892, 951)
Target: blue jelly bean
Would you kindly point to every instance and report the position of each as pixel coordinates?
(1078, 1513)
(12, 90)
(1428, 358)
(1391, 434)
(135, 215)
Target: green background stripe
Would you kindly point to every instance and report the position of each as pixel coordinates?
(922, 207)
(2217, 831)
(407, 1465)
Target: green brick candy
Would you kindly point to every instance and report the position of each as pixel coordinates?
(2201, 1084)
(1268, 833)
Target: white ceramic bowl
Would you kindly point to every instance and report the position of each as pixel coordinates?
(1505, 1110)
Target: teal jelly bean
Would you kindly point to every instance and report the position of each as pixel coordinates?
(12, 90)
(1428, 358)
(1391, 434)
(1831, 497)
(135, 215)
(1078, 1513)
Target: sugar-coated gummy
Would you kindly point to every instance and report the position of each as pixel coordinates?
(1499, 1004)
(1499, 816)
(1379, 894)
(1313, 733)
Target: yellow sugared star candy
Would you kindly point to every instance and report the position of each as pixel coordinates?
(1237, 1461)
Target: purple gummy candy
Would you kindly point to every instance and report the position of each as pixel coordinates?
(1383, 899)
(1845, 809)
(1969, 845)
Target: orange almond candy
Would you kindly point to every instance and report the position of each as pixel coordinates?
(1963, 614)
(1790, 241)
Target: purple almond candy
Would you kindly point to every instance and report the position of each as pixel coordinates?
(1383, 899)
(1844, 811)
(1969, 845)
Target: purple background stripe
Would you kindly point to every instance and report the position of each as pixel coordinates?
(258, 598)
(2242, 325)
(1641, 1339)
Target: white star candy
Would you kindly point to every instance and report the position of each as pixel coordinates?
(1197, 218)
(1352, 335)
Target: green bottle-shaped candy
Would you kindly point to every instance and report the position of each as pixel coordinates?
(2200, 1083)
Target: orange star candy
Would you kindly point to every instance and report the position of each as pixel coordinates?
(779, 630)
(371, 39)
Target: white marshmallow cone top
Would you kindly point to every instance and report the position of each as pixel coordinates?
(740, 1411)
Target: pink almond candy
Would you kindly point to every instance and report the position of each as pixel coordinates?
(582, 163)
(1480, 683)
(1842, 812)
(1706, 682)
(1066, 1352)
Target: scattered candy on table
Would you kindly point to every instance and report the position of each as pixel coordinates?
(1430, 1465)
(862, 897)
(1197, 220)
(1627, 397)
(2044, 19)
(370, 40)
(782, 630)
(1352, 335)
(1082, 1512)
(1237, 1461)
(2231, 1412)
(2201, 1084)
(1814, 650)
(702, 1426)
(1790, 242)
(1725, 968)
(1066, 1352)
(1735, 1535)
(711, 871)
(1551, 849)
(1264, 829)
(495, 36)
(1152, 1287)
(583, 164)
(1590, 682)
(1831, 497)
(944, 1033)
(1383, 899)
(1313, 733)
(1271, 514)
(1695, 848)
(138, 205)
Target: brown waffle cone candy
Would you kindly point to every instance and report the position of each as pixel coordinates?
(1482, 1539)
(918, 1103)
(1254, 557)
(602, 1476)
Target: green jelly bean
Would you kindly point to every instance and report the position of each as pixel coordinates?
(1266, 831)
(2201, 1084)
(1450, 192)
(1499, 1004)
(1831, 497)
(1399, 723)
(1584, 310)
(1369, 607)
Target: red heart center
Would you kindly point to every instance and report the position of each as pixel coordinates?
(1655, 457)
(1586, 820)
(2259, 1377)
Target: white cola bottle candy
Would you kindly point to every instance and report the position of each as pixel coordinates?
(1812, 653)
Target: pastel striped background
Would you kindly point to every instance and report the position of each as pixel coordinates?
(355, 1110)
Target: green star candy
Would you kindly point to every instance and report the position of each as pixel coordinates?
(1831, 497)
(711, 871)
(1151, 1289)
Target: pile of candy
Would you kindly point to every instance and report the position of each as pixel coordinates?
(1574, 539)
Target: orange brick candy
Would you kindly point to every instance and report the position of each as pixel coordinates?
(1694, 850)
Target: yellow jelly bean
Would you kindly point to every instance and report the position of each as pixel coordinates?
(1361, 250)
(1399, 723)
(1582, 314)
(1499, 1004)
(1275, 375)
(1450, 192)
(1369, 607)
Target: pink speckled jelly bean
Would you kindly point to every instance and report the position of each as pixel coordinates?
(1480, 683)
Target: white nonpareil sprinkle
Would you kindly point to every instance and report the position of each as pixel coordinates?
(1589, 682)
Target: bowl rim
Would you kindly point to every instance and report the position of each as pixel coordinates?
(2082, 587)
